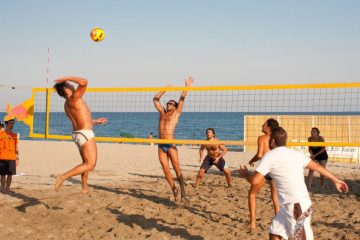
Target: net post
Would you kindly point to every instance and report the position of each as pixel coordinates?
(47, 115)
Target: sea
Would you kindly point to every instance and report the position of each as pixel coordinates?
(229, 126)
(191, 125)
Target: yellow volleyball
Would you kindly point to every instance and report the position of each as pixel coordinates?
(97, 34)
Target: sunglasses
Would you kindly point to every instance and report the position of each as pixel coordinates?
(171, 104)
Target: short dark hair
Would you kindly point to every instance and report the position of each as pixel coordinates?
(272, 123)
(1, 124)
(176, 104)
(10, 120)
(211, 129)
(316, 129)
(60, 89)
(279, 135)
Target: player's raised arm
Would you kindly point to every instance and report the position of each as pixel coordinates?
(81, 82)
(188, 83)
(157, 103)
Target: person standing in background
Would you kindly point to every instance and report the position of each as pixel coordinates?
(318, 154)
(9, 155)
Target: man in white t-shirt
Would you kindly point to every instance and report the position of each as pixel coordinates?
(286, 168)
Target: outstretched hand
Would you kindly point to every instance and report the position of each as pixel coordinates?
(100, 121)
(189, 81)
(251, 163)
(341, 186)
(243, 171)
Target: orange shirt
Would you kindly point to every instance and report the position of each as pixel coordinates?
(8, 144)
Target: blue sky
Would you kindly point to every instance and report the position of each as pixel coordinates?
(154, 43)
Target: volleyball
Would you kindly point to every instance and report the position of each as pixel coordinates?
(97, 34)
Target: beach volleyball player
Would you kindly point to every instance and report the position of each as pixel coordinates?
(286, 167)
(168, 118)
(82, 122)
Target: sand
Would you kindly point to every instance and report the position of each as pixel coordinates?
(132, 200)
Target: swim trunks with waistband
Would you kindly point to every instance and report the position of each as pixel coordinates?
(209, 161)
(82, 136)
(166, 147)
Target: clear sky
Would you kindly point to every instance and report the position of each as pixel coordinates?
(157, 42)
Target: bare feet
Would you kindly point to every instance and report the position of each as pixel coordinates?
(175, 192)
(58, 183)
(6, 191)
(87, 190)
(184, 201)
(252, 226)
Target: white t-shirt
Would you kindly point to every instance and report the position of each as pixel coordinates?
(286, 168)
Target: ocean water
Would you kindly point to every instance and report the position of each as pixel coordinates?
(229, 126)
(192, 125)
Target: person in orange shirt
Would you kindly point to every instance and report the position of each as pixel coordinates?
(2, 127)
(9, 155)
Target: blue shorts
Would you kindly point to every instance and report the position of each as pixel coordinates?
(209, 161)
(166, 147)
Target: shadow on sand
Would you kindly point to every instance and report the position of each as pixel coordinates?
(148, 224)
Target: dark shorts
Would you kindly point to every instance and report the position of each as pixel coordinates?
(166, 147)
(267, 177)
(321, 160)
(209, 161)
(7, 167)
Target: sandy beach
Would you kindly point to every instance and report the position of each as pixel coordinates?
(132, 200)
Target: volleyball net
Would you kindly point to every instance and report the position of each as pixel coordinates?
(235, 112)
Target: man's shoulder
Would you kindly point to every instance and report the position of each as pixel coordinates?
(277, 151)
(281, 149)
(287, 151)
(162, 112)
(263, 138)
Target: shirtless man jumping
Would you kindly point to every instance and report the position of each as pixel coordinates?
(214, 156)
(82, 122)
(168, 118)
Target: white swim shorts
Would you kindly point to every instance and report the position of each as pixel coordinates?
(82, 136)
(293, 221)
